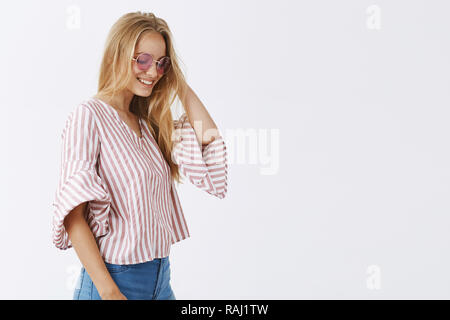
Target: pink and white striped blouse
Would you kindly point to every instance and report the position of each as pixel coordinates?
(133, 207)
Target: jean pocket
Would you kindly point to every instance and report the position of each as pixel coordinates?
(116, 268)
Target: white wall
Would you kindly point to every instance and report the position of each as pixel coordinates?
(346, 196)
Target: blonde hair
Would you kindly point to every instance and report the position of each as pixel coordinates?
(116, 72)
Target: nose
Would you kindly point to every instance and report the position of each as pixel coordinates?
(152, 71)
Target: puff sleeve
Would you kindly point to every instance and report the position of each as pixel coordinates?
(205, 166)
(79, 181)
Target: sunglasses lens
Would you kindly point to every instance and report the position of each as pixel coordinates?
(144, 61)
(163, 65)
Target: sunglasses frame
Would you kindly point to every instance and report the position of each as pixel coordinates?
(153, 61)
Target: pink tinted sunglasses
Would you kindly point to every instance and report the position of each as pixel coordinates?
(145, 60)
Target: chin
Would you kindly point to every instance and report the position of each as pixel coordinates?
(142, 92)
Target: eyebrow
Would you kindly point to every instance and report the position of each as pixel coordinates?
(137, 53)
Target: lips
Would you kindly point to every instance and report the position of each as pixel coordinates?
(146, 82)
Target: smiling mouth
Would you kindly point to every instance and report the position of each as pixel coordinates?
(146, 82)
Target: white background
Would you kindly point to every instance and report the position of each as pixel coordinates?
(356, 202)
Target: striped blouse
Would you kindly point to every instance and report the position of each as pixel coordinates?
(133, 207)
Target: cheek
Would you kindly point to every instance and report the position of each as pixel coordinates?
(136, 71)
(133, 80)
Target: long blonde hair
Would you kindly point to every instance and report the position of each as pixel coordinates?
(116, 71)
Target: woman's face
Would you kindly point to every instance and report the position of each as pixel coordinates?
(152, 43)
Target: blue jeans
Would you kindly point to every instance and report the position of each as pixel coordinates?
(143, 281)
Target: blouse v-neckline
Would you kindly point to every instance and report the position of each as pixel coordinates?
(123, 123)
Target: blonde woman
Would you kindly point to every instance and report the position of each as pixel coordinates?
(116, 203)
